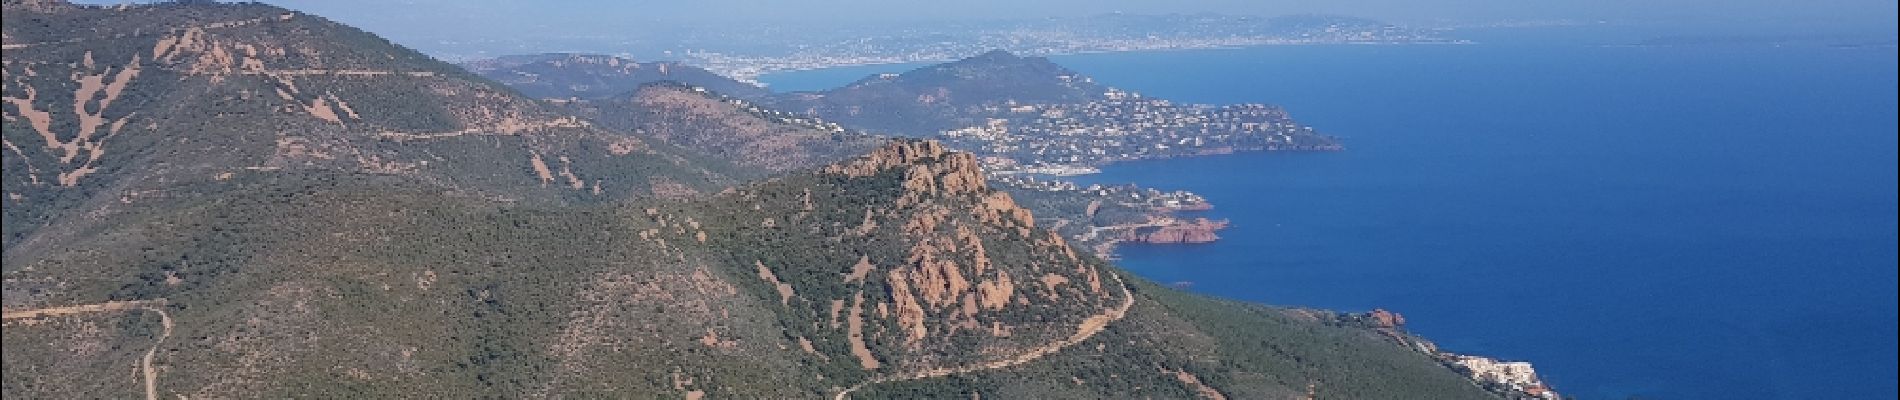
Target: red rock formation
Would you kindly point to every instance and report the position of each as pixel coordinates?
(1387, 319)
(1201, 230)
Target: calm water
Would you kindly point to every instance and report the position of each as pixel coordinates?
(1670, 223)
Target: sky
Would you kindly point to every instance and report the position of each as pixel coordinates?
(447, 13)
(427, 23)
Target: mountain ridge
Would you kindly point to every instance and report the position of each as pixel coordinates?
(270, 89)
(594, 76)
(929, 99)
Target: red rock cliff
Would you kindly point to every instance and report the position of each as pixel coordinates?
(1200, 230)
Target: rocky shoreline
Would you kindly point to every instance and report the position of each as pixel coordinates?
(1166, 230)
(1199, 230)
(1516, 380)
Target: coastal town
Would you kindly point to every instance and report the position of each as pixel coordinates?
(1069, 139)
(1030, 149)
(1128, 195)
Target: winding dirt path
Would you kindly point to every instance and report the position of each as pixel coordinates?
(145, 363)
(1088, 328)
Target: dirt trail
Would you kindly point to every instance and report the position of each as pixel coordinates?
(338, 72)
(504, 127)
(145, 363)
(82, 309)
(1087, 329)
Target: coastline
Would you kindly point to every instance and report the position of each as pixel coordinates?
(1483, 161)
(1508, 379)
(1105, 249)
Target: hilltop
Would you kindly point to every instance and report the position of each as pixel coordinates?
(114, 110)
(1029, 113)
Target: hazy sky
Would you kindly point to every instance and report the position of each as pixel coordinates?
(1859, 11)
(420, 21)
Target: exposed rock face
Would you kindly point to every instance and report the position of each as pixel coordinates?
(896, 154)
(1200, 230)
(1387, 319)
(1511, 379)
(955, 263)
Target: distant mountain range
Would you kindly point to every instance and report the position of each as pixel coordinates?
(242, 201)
(589, 76)
(945, 96)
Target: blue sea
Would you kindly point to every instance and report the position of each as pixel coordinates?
(1703, 222)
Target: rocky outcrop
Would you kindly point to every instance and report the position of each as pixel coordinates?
(1386, 319)
(1200, 230)
(961, 265)
(895, 154)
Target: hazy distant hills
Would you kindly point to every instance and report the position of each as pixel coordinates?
(587, 76)
(944, 96)
(915, 103)
(239, 201)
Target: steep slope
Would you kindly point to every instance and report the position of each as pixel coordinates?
(962, 296)
(1177, 345)
(756, 140)
(323, 284)
(928, 268)
(109, 109)
(878, 277)
(591, 76)
(939, 97)
(346, 284)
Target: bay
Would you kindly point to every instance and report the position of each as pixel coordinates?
(1663, 222)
